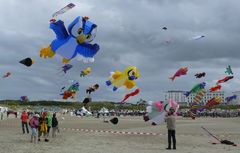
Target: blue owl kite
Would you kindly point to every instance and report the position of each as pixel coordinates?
(73, 43)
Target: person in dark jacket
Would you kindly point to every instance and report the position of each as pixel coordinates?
(54, 125)
(171, 126)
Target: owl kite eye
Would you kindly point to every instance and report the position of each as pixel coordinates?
(131, 73)
(79, 31)
(88, 36)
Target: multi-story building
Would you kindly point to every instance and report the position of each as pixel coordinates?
(179, 96)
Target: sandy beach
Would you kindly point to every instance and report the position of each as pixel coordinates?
(92, 135)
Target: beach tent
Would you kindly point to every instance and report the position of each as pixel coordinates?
(104, 110)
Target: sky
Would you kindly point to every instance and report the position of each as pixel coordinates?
(129, 33)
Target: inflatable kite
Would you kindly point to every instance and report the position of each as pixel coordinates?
(225, 79)
(195, 89)
(181, 71)
(134, 93)
(24, 99)
(85, 72)
(63, 10)
(73, 43)
(156, 111)
(230, 98)
(213, 102)
(215, 88)
(27, 62)
(71, 91)
(198, 98)
(199, 75)
(126, 78)
(66, 67)
(91, 89)
(229, 70)
(7, 75)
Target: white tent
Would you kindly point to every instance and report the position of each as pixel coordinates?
(104, 110)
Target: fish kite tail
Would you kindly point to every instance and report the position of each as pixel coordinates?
(172, 78)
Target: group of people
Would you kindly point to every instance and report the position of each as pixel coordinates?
(40, 125)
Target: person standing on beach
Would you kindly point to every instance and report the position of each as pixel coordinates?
(43, 127)
(54, 125)
(171, 125)
(33, 123)
(24, 118)
(49, 123)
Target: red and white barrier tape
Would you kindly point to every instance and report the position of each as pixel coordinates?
(113, 132)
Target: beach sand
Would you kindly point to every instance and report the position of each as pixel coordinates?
(190, 136)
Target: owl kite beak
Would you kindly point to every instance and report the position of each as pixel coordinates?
(81, 38)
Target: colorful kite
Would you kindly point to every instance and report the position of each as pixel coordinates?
(85, 72)
(215, 88)
(198, 98)
(27, 62)
(229, 70)
(230, 98)
(63, 10)
(156, 111)
(71, 91)
(66, 67)
(225, 79)
(91, 89)
(213, 102)
(199, 75)
(195, 89)
(73, 43)
(181, 71)
(126, 78)
(134, 93)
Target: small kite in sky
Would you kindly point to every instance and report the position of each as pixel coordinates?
(181, 71)
(63, 10)
(27, 62)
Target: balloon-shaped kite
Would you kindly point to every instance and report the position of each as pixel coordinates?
(27, 62)
(85, 72)
(195, 89)
(229, 70)
(215, 88)
(74, 42)
(181, 71)
(63, 10)
(156, 111)
(225, 79)
(126, 78)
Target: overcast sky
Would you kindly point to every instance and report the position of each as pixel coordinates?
(129, 33)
